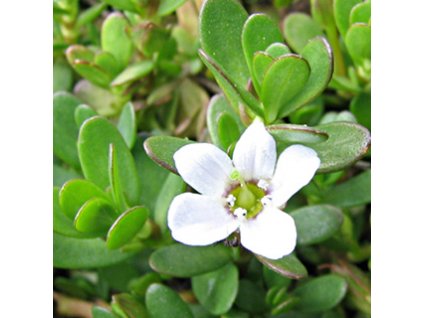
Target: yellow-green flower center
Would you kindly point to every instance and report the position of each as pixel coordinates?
(248, 196)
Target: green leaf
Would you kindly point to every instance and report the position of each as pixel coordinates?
(287, 134)
(82, 113)
(217, 290)
(163, 302)
(140, 285)
(95, 136)
(358, 42)
(61, 223)
(284, 79)
(341, 11)
(288, 266)
(227, 130)
(100, 312)
(234, 92)
(61, 175)
(172, 260)
(127, 125)
(162, 148)
(65, 130)
(316, 223)
(116, 40)
(62, 76)
(361, 13)
(168, 6)
(95, 216)
(151, 176)
(90, 14)
(221, 24)
(318, 55)
(133, 72)
(347, 143)
(261, 63)
(76, 253)
(126, 226)
(250, 297)
(299, 29)
(219, 105)
(127, 5)
(276, 50)
(308, 114)
(75, 193)
(353, 192)
(173, 186)
(115, 181)
(274, 279)
(258, 32)
(321, 293)
(360, 106)
(129, 305)
(83, 61)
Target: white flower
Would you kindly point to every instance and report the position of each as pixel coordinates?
(244, 193)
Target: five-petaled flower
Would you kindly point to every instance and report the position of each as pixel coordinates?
(245, 193)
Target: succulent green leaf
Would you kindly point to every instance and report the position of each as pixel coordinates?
(360, 106)
(321, 293)
(126, 226)
(227, 130)
(353, 192)
(316, 223)
(172, 260)
(129, 305)
(361, 13)
(309, 114)
(90, 14)
(162, 148)
(342, 10)
(75, 193)
(261, 64)
(63, 174)
(284, 79)
(95, 216)
(288, 266)
(115, 39)
(258, 32)
(221, 23)
(133, 72)
(358, 42)
(276, 50)
(219, 105)
(217, 290)
(288, 134)
(299, 29)
(100, 312)
(168, 6)
(250, 297)
(318, 55)
(62, 76)
(173, 186)
(82, 113)
(95, 137)
(127, 124)
(76, 253)
(65, 130)
(163, 302)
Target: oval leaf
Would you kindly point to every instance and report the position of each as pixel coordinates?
(163, 302)
(261, 63)
(321, 293)
(95, 216)
(217, 290)
(133, 72)
(316, 223)
(276, 50)
(126, 227)
(341, 11)
(358, 42)
(172, 260)
(127, 124)
(250, 297)
(94, 140)
(284, 79)
(288, 266)
(227, 130)
(299, 29)
(76, 253)
(82, 113)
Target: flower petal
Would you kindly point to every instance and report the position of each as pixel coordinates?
(295, 168)
(204, 167)
(199, 220)
(271, 234)
(255, 153)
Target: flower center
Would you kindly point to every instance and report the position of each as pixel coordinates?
(247, 196)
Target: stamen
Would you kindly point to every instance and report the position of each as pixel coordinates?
(266, 200)
(231, 200)
(263, 184)
(240, 213)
